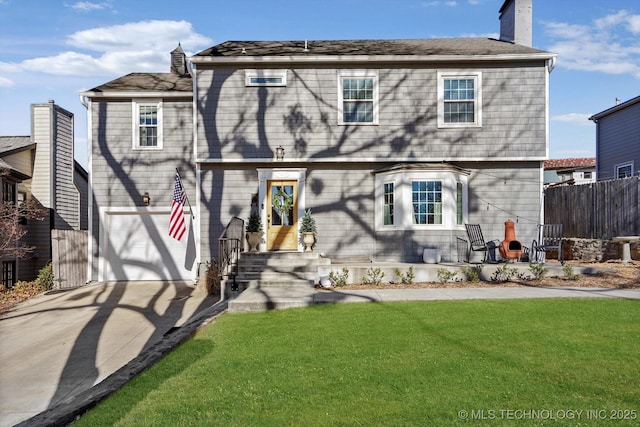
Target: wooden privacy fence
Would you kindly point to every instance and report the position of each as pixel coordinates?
(600, 210)
(69, 258)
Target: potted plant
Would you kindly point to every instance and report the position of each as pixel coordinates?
(254, 231)
(308, 230)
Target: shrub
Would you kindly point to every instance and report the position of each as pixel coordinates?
(374, 276)
(537, 270)
(567, 269)
(339, 279)
(472, 273)
(445, 275)
(45, 277)
(503, 274)
(408, 278)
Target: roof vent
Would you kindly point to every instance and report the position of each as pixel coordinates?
(179, 61)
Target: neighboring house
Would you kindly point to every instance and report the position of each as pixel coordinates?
(393, 144)
(569, 171)
(41, 167)
(618, 140)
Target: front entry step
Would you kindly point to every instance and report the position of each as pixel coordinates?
(275, 280)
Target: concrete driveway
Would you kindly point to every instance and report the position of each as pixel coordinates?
(55, 346)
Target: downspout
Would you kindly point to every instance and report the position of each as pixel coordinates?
(197, 225)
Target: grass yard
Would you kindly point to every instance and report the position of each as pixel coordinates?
(515, 362)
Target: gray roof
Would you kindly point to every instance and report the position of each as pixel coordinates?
(422, 47)
(615, 108)
(11, 144)
(147, 82)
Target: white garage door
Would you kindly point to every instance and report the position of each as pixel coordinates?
(139, 247)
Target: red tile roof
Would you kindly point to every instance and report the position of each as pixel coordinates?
(582, 162)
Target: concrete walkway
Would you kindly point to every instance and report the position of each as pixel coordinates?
(54, 347)
(62, 353)
(275, 297)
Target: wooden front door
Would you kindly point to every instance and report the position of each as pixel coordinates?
(282, 215)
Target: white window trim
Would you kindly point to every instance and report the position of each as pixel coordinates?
(623, 165)
(477, 76)
(350, 74)
(252, 74)
(135, 105)
(397, 207)
(403, 205)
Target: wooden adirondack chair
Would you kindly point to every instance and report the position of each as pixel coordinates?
(549, 238)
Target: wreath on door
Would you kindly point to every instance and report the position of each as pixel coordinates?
(282, 201)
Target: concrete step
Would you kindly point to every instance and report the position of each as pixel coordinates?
(250, 284)
(277, 275)
(275, 298)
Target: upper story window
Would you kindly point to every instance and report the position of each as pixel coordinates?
(147, 125)
(421, 198)
(265, 77)
(459, 99)
(358, 97)
(624, 171)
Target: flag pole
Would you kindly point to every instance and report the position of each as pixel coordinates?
(185, 194)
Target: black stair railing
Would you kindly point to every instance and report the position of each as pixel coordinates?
(230, 246)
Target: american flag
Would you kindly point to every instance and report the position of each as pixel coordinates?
(177, 227)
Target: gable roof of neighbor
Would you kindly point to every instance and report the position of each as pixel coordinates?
(615, 108)
(13, 144)
(146, 82)
(573, 163)
(408, 47)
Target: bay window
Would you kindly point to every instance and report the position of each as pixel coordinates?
(421, 197)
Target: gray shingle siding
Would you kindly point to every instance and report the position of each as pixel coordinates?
(120, 175)
(341, 197)
(302, 116)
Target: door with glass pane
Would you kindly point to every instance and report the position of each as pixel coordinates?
(282, 215)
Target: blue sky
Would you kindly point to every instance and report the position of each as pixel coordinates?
(52, 49)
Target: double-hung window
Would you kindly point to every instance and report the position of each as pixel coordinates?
(147, 125)
(8, 274)
(358, 97)
(459, 99)
(8, 192)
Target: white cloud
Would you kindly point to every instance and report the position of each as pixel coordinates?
(450, 3)
(608, 45)
(139, 46)
(4, 82)
(574, 118)
(87, 6)
(132, 36)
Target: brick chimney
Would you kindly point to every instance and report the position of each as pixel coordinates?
(179, 61)
(516, 22)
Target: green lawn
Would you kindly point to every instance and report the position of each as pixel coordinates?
(515, 362)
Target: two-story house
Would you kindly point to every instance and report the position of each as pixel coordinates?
(618, 140)
(393, 144)
(41, 167)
